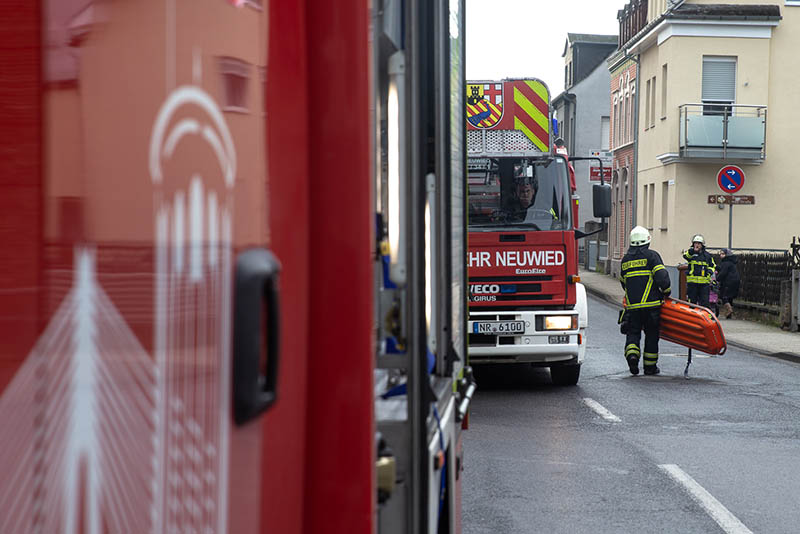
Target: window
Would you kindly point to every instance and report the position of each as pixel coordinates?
(653, 104)
(570, 139)
(616, 120)
(235, 75)
(628, 115)
(651, 210)
(719, 84)
(647, 106)
(664, 91)
(604, 133)
(633, 111)
(664, 204)
(646, 205)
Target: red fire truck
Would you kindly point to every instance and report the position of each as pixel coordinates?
(233, 249)
(526, 302)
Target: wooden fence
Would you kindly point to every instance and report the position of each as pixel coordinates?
(762, 275)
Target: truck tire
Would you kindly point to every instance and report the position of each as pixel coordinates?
(565, 375)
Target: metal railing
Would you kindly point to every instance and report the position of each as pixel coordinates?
(723, 131)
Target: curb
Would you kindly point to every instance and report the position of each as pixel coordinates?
(781, 355)
(603, 295)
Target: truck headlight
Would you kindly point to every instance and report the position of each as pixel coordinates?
(561, 322)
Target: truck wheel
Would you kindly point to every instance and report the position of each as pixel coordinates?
(565, 375)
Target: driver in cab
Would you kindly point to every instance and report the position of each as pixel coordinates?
(525, 190)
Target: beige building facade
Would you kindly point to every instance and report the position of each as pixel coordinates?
(717, 85)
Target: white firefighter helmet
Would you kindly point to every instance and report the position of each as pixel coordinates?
(639, 236)
(698, 238)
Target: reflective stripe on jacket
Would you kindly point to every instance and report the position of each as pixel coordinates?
(644, 278)
(701, 266)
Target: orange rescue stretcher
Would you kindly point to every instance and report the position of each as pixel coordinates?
(692, 326)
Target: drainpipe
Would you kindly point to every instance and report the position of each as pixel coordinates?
(635, 166)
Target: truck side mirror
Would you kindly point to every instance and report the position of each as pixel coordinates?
(601, 200)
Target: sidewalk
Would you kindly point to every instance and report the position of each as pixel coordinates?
(748, 335)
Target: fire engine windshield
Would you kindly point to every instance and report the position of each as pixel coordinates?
(527, 194)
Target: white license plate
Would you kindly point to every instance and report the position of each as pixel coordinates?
(558, 339)
(499, 327)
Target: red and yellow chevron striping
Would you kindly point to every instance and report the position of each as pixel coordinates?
(532, 112)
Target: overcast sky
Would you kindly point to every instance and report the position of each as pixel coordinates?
(525, 38)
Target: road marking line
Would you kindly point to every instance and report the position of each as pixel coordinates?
(601, 410)
(712, 506)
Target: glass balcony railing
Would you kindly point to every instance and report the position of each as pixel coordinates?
(723, 131)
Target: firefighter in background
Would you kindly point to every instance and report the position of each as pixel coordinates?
(698, 275)
(646, 282)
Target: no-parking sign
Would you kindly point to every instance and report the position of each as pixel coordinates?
(730, 179)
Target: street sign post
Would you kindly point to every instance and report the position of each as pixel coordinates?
(738, 200)
(730, 179)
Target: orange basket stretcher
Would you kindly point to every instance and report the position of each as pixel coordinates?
(692, 326)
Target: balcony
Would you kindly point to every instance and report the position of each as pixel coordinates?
(723, 132)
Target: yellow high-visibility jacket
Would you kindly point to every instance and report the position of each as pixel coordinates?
(701, 266)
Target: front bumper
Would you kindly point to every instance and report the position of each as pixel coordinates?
(531, 346)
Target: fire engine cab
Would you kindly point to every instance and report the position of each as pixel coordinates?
(526, 304)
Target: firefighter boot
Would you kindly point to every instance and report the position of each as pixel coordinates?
(633, 364)
(632, 357)
(650, 360)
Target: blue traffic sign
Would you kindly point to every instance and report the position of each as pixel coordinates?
(730, 178)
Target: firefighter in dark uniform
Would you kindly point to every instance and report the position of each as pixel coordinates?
(646, 282)
(698, 275)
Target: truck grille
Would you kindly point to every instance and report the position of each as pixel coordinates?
(514, 288)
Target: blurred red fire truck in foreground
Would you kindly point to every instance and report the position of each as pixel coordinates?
(233, 249)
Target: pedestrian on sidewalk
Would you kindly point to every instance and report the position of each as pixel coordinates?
(698, 275)
(646, 282)
(728, 280)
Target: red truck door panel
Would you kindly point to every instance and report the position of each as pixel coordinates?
(139, 178)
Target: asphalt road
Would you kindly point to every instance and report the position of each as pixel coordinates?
(719, 452)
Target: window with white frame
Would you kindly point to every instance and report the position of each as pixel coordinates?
(628, 116)
(647, 106)
(646, 204)
(664, 91)
(615, 133)
(719, 84)
(604, 133)
(653, 104)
